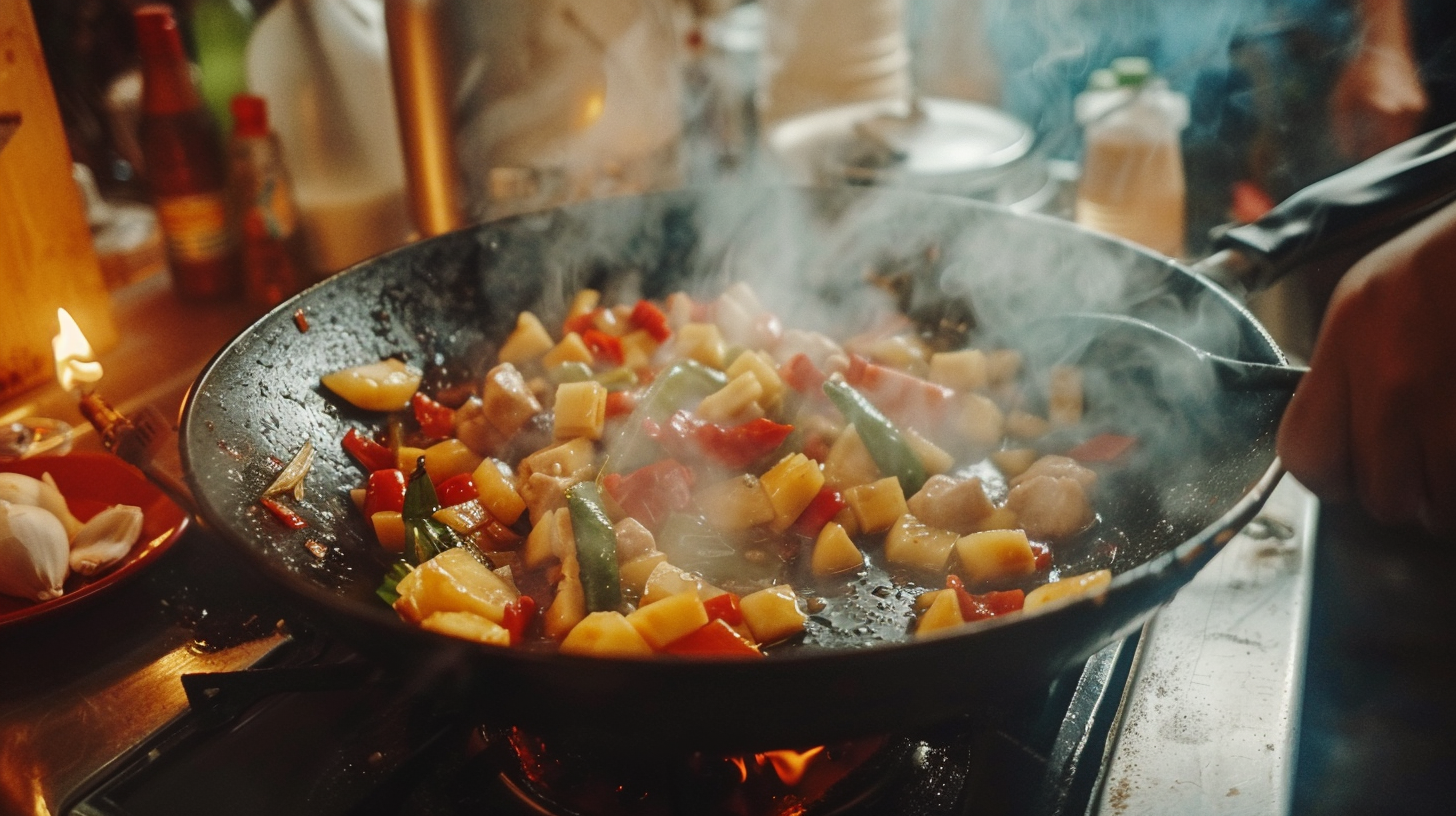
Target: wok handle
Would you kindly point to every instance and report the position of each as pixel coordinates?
(1341, 217)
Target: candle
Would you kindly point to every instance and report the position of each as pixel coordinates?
(75, 367)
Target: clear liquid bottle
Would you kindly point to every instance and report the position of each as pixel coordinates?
(1132, 182)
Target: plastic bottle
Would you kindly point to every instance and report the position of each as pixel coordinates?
(323, 67)
(273, 259)
(185, 168)
(1132, 172)
(220, 28)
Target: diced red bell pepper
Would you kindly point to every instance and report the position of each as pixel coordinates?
(603, 346)
(457, 489)
(620, 403)
(1043, 555)
(385, 491)
(647, 317)
(581, 323)
(372, 455)
(980, 607)
(825, 506)
(436, 421)
(290, 519)
(802, 375)
(516, 617)
(735, 447)
(714, 639)
(650, 494)
(902, 396)
(817, 448)
(725, 608)
(1103, 448)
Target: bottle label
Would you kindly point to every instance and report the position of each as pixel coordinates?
(196, 226)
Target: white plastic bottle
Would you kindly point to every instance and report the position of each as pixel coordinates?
(1132, 183)
(323, 67)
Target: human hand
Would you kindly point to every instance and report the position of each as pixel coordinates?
(1377, 103)
(1375, 418)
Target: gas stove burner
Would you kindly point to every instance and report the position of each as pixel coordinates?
(556, 777)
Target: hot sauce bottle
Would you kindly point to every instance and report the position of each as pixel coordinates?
(185, 166)
(273, 252)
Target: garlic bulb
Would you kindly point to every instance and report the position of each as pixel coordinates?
(106, 538)
(18, 488)
(33, 552)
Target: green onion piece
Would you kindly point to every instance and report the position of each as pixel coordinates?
(887, 446)
(388, 588)
(596, 548)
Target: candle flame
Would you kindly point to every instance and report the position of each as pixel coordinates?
(74, 363)
(790, 765)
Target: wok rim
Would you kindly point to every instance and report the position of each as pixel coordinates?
(1183, 559)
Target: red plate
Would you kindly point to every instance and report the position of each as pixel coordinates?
(92, 482)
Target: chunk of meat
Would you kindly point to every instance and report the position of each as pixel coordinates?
(474, 429)
(1050, 508)
(951, 504)
(633, 540)
(1060, 466)
(543, 493)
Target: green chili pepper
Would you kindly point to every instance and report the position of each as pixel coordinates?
(887, 446)
(618, 379)
(420, 499)
(388, 588)
(596, 548)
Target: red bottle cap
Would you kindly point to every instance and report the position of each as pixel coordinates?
(250, 115)
(156, 30)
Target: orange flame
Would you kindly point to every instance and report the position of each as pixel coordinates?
(742, 768)
(74, 363)
(790, 765)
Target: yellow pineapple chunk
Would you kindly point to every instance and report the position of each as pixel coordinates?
(848, 462)
(582, 302)
(877, 505)
(932, 458)
(571, 349)
(736, 504)
(605, 634)
(912, 543)
(995, 556)
(389, 529)
(1002, 366)
(772, 614)
(666, 580)
(925, 599)
(791, 485)
(634, 573)
(834, 552)
(539, 550)
(581, 410)
(467, 626)
(567, 609)
(664, 621)
(980, 421)
(637, 349)
(963, 370)
(944, 613)
(1064, 396)
(1013, 462)
(761, 366)
(527, 342)
(733, 401)
(497, 493)
(383, 386)
(900, 351)
(1022, 425)
(1000, 518)
(406, 457)
(453, 581)
(570, 458)
(357, 496)
(449, 458)
(1072, 586)
(702, 342)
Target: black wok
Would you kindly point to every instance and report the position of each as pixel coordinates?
(448, 301)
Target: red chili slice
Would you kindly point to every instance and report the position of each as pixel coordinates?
(802, 375)
(1103, 448)
(647, 317)
(620, 403)
(650, 494)
(372, 455)
(385, 491)
(980, 607)
(825, 506)
(714, 639)
(580, 324)
(603, 346)
(290, 519)
(725, 608)
(436, 420)
(517, 617)
(457, 489)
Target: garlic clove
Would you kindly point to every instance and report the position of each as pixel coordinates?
(106, 538)
(34, 552)
(17, 488)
